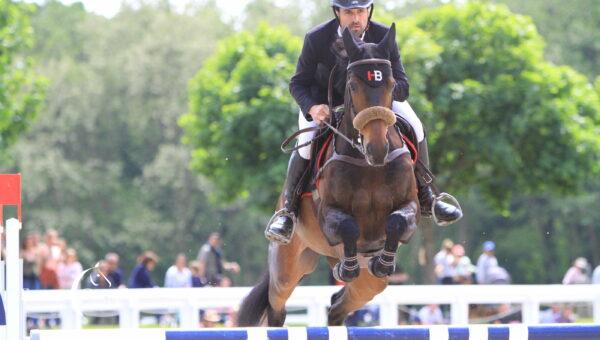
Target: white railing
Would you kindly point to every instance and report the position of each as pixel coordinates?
(73, 304)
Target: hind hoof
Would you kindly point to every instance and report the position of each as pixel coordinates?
(345, 273)
(378, 269)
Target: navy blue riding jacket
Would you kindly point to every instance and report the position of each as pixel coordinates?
(309, 85)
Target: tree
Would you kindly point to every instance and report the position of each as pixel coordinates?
(465, 76)
(21, 89)
(103, 163)
(240, 111)
(571, 32)
(500, 118)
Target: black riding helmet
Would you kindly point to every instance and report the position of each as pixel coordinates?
(349, 4)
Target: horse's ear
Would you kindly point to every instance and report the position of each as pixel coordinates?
(350, 44)
(387, 43)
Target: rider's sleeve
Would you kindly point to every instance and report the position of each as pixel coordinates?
(401, 88)
(303, 79)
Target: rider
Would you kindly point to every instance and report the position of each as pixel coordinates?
(309, 88)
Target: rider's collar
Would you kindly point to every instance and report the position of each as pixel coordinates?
(339, 31)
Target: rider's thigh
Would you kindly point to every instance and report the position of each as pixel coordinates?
(305, 137)
(404, 110)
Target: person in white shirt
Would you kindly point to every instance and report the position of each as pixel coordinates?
(578, 273)
(442, 261)
(68, 270)
(431, 315)
(487, 260)
(596, 275)
(178, 275)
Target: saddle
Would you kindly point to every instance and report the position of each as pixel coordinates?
(324, 137)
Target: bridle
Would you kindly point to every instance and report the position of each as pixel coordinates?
(348, 104)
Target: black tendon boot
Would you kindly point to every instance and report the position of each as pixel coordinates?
(281, 226)
(445, 213)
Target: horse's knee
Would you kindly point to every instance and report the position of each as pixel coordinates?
(402, 223)
(340, 227)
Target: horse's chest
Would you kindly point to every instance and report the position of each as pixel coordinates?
(370, 200)
(368, 194)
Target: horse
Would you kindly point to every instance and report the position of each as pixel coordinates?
(367, 201)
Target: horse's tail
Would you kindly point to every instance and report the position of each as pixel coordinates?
(255, 304)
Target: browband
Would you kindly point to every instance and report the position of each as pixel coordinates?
(369, 61)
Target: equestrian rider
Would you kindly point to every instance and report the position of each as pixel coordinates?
(309, 88)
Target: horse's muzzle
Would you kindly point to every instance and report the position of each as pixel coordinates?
(376, 155)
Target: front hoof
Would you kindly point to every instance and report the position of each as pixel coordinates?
(342, 271)
(380, 268)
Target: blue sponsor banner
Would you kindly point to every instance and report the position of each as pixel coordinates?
(2, 313)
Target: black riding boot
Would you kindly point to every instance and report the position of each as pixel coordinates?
(445, 213)
(281, 225)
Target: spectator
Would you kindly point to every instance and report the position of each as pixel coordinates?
(197, 274)
(486, 261)
(462, 266)
(442, 261)
(211, 258)
(69, 270)
(140, 275)
(596, 275)
(431, 315)
(50, 253)
(178, 275)
(566, 315)
(31, 262)
(52, 247)
(210, 319)
(115, 274)
(577, 274)
(551, 315)
(498, 275)
(98, 279)
(48, 277)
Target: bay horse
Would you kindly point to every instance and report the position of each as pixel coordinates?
(367, 201)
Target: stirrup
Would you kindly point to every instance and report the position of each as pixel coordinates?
(274, 237)
(448, 199)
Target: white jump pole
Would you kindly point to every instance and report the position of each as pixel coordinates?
(14, 290)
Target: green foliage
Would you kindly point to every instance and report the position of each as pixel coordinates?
(240, 111)
(499, 117)
(571, 32)
(103, 164)
(21, 90)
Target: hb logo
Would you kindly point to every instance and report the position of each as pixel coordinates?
(374, 75)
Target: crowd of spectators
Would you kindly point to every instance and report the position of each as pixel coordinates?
(48, 263)
(452, 266)
(51, 264)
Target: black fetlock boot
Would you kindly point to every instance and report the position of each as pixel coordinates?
(281, 226)
(445, 213)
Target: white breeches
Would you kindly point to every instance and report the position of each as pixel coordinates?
(402, 109)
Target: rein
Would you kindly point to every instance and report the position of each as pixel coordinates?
(358, 146)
